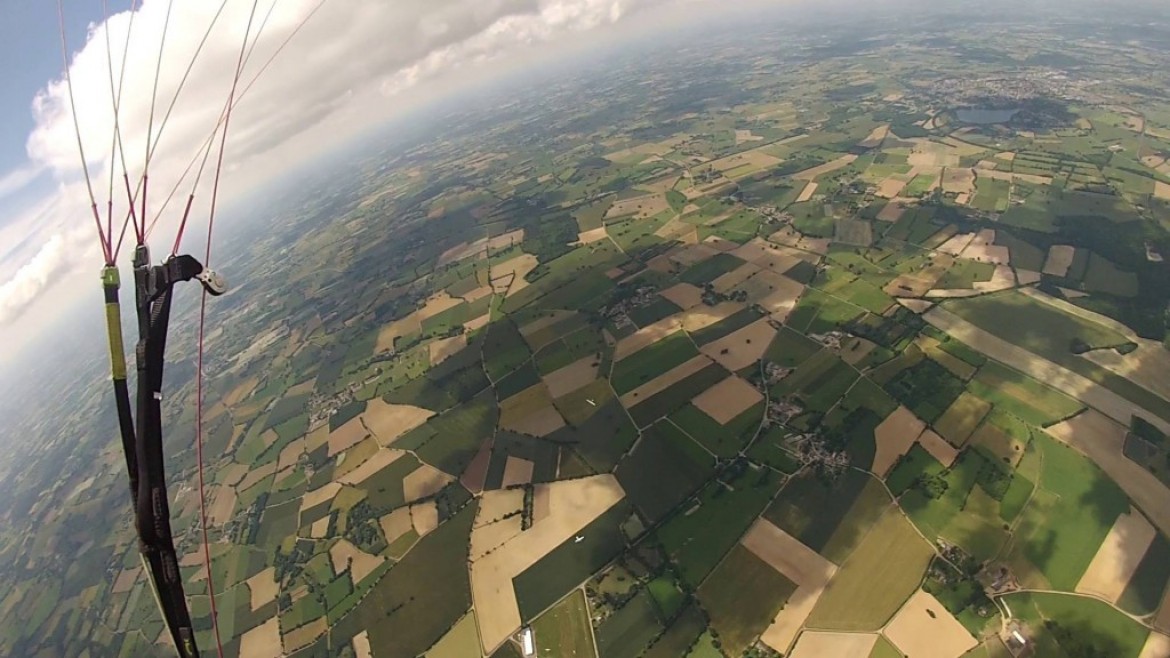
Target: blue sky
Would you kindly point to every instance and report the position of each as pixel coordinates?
(30, 51)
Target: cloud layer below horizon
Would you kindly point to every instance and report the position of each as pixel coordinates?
(314, 72)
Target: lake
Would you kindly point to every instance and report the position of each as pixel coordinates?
(984, 116)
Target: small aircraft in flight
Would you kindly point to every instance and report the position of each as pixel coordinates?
(578, 539)
(591, 403)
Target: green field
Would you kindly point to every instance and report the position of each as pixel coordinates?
(742, 596)
(819, 382)
(959, 421)
(697, 538)
(664, 468)
(724, 441)
(1078, 625)
(927, 389)
(571, 563)
(677, 396)
(1022, 396)
(682, 634)
(876, 580)
(964, 273)
(422, 596)
(650, 362)
(625, 633)
(811, 509)
(565, 629)
(1060, 532)
(710, 269)
(603, 438)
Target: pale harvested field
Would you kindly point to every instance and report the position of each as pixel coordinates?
(321, 495)
(395, 524)
(240, 392)
(959, 181)
(387, 422)
(957, 243)
(742, 348)
(126, 580)
(595, 235)
(255, 475)
(319, 528)
(400, 327)
(856, 349)
(263, 587)
(572, 505)
(347, 436)
(1118, 557)
(475, 474)
(477, 294)
(984, 250)
(735, 277)
(361, 645)
(469, 249)
(424, 481)
(1060, 258)
(1157, 646)
(919, 306)
(438, 303)
(744, 136)
(820, 644)
(531, 411)
(517, 470)
(963, 199)
(894, 437)
(757, 159)
(508, 276)
(379, 460)
(263, 641)
(664, 381)
(646, 336)
(1102, 440)
(1002, 278)
(223, 502)
(807, 193)
(1162, 619)
(290, 454)
(675, 229)
(894, 210)
(444, 348)
(683, 295)
(1027, 277)
(692, 254)
(780, 303)
(317, 437)
(776, 261)
(929, 154)
(345, 555)
(891, 187)
(923, 628)
(640, 207)
(424, 517)
(952, 293)
(798, 563)
(1162, 190)
(572, 377)
(1148, 365)
(876, 137)
(827, 168)
(462, 641)
(303, 636)
(232, 474)
(727, 399)
(938, 447)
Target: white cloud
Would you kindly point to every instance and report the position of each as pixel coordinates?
(333, 77)
(17, 179)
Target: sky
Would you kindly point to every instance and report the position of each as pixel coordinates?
(315, 74)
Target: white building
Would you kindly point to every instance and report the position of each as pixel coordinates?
(527, 643)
